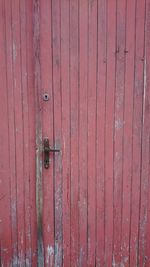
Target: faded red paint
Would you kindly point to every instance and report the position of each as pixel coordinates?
(91, 207)
(17, 137)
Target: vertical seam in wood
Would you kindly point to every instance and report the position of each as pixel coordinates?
(16, 213)
(114, 102)
(87, 80)
(70, 130)
(78, 128)
(37, 84)
(123, 123)
(29, 136)
(61, 137)
(87, 140)
(132, 134)
(96, 141)
(53, 124)
(96, 136)
(105, 135)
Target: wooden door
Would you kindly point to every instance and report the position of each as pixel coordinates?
(94, 67)
(75, 72)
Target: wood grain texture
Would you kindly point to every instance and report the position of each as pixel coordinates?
(100, 131)
(5, 218)
(47, 113)
(127, 141)
(18, 234)
(137, 130)
(66, 141)
(92, 206)
(74, 129)
(109, 129)
(144, 247)
(91, 113)
(118, 128)
(83, 106)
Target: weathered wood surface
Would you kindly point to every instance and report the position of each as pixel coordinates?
(17, 136)
(93, 204)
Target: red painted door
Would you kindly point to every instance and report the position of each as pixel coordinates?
(76, 72)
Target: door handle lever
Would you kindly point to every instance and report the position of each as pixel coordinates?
(47, 151)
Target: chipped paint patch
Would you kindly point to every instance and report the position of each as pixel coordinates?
(115, 264)
(20, 261)
(28, 258)
(15, 261)
(49, 255)
(14, 51)
(119, 124)
(48, 228)
(58, 255)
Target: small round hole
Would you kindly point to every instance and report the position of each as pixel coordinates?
(45, 97)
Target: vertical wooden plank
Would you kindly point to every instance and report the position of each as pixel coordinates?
(31, 72)
(83, 78)
(144, 247)
(65, 57)
(38, 129)
(5, 216)
(92, 83)
(57, 130)
(118, 129)
(47, 128)
(100, 134)
(143, 220)
(137, 131)
(109, 129)
(147, 77)
(18, 130)
(74, 104)
(26, 140)
(11, 130)
(128, 116)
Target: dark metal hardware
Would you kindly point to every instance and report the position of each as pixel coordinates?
(47, 151)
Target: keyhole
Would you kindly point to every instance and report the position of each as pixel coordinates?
(45, 97)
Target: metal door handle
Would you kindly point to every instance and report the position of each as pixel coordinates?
(47, 151)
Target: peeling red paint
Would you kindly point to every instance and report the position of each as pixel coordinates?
(78, 73)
